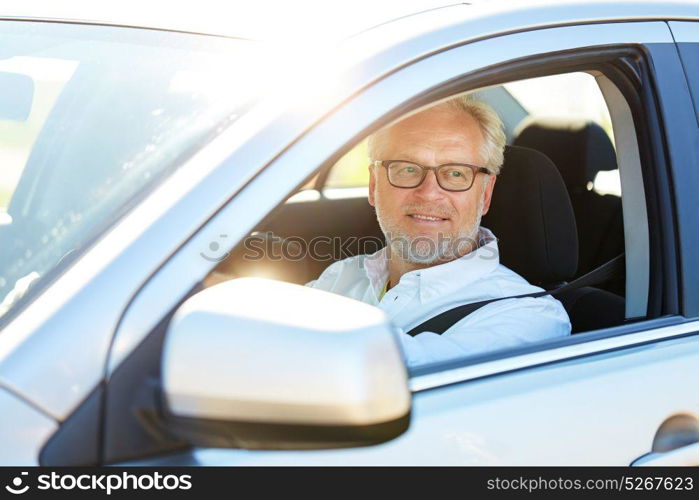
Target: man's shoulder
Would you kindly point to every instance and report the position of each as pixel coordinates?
(506, 283)
(510, 282)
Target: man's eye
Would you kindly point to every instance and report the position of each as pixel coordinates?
(455, 173)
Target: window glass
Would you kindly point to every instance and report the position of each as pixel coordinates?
(20, 128)
(351, 170)
(569, 96)
(92, 116)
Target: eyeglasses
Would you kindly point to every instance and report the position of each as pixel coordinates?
(450, 176)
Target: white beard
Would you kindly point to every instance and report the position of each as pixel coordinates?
(426, 250)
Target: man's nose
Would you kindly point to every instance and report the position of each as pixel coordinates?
(429, 188)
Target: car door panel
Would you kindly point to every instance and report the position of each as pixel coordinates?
(686, 35)
(684, 135)
(602, 409)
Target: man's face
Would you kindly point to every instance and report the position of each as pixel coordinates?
(431, 138)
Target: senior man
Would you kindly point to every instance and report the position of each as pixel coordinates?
(431, 180)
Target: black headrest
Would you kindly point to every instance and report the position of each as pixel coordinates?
(579, 148)
(533, 219)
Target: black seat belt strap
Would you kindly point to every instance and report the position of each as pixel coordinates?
(443, 321)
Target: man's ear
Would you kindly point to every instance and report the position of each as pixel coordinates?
(372, 184)
(488, 192)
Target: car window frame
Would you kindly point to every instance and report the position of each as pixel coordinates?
(262, 175)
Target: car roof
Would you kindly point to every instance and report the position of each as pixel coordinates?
(257, 20)
(316, 20)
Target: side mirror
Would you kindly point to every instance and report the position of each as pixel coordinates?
(261, 364)
(16, 96)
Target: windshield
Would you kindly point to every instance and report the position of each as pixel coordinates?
(91, 118)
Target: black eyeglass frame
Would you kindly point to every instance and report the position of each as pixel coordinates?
(424, 169)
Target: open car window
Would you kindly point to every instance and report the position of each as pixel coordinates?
(334, 203)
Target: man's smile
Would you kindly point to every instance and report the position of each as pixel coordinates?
(427, 218)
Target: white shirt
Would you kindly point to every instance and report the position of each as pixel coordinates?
(422, 294)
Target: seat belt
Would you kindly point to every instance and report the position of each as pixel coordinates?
(443, 321)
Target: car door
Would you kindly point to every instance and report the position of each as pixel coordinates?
(596, 399)
(606, 399)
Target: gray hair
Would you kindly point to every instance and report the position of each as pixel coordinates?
(492, 149)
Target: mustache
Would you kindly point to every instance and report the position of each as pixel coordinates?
(442, 212)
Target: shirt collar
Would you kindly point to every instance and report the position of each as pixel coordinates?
(376, 268)
(442, 279)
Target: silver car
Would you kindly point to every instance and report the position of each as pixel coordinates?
(139, 160)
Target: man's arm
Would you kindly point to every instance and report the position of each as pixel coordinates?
(501, 325)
